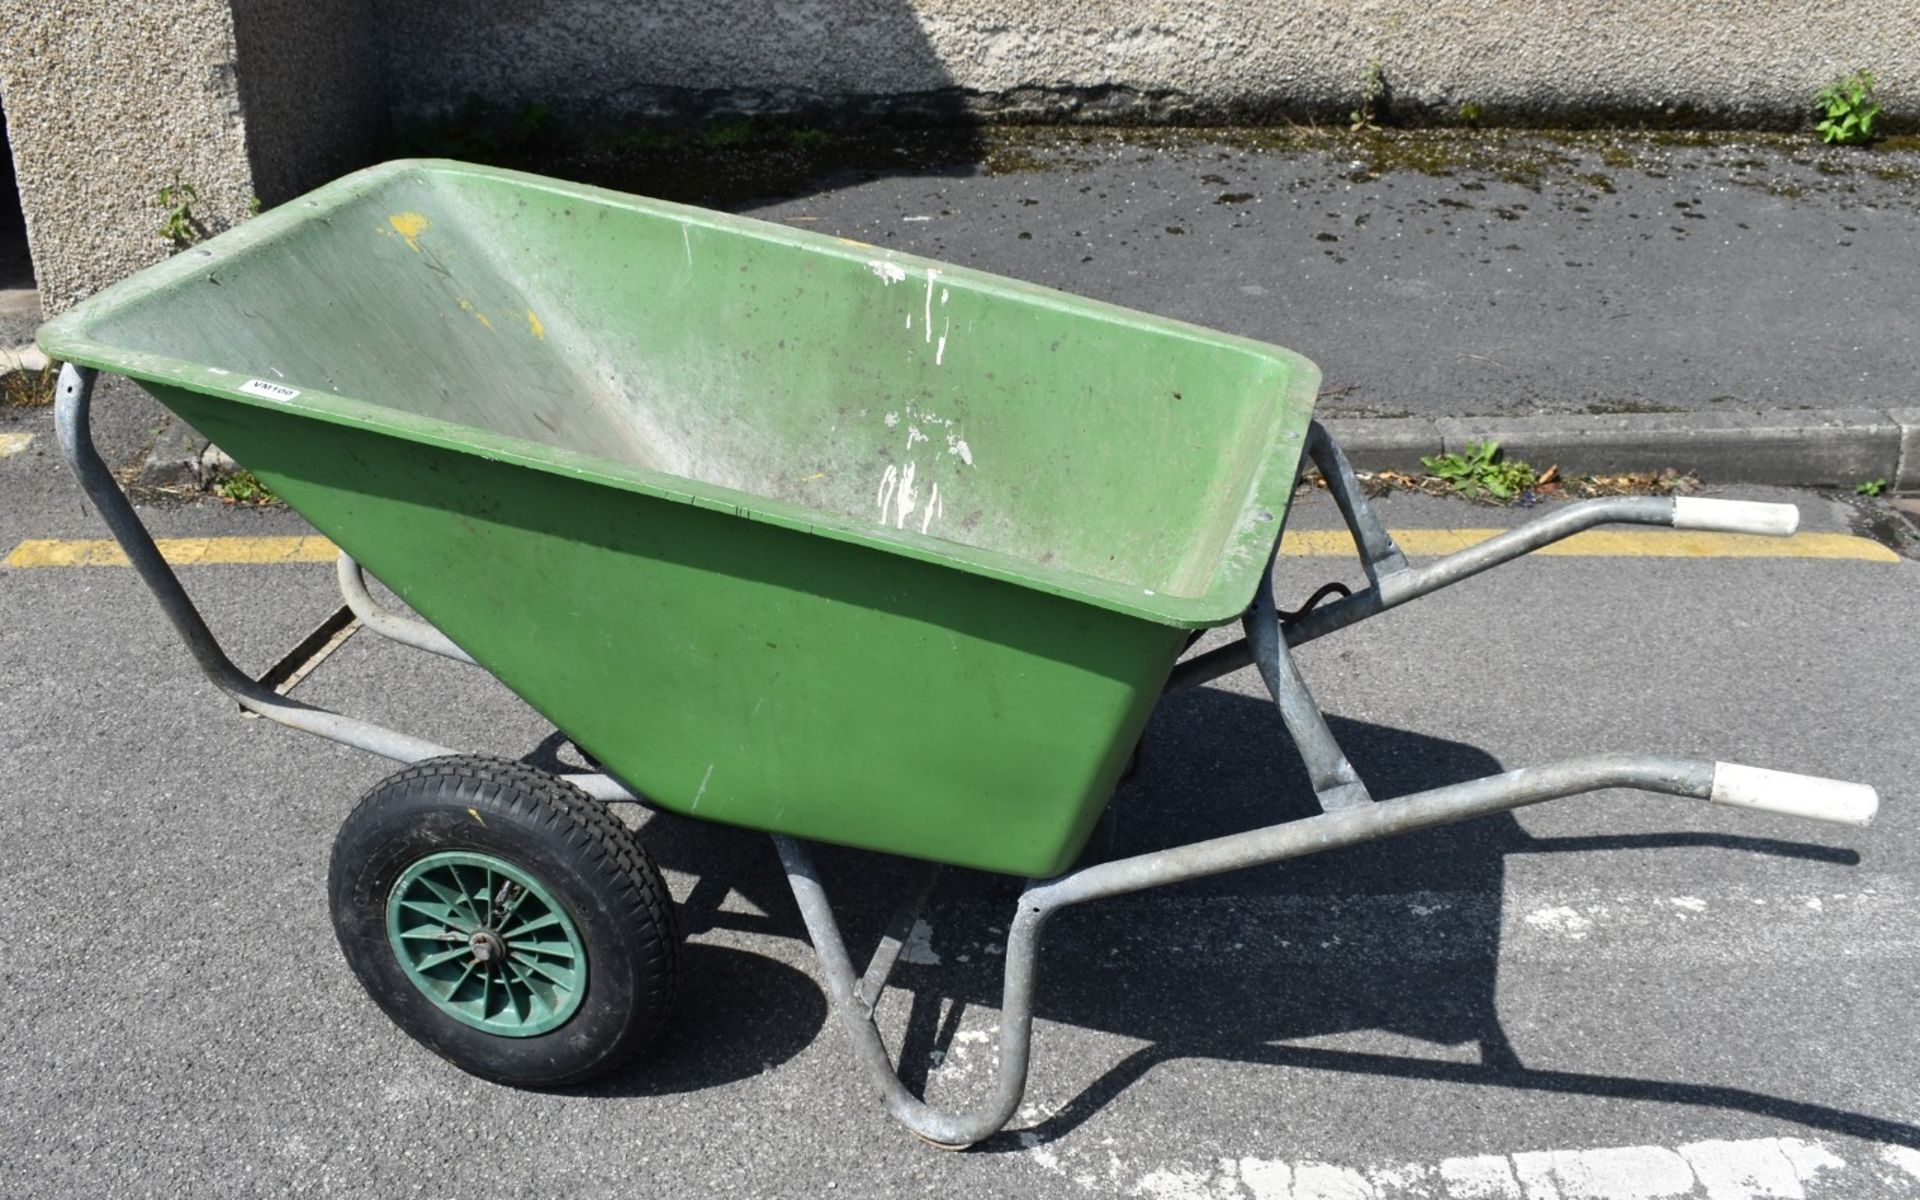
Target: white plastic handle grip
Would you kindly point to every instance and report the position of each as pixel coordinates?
(1735, 516)
(1794, 795)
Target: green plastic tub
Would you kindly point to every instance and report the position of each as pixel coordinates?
(790, 532)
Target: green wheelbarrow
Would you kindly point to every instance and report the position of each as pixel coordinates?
(785, 532)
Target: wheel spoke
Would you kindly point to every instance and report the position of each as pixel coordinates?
(561, 976)
(446, 914)
(436, 932)
(433, 960)
(556, 949)
(458, 983)
(532, 987)
(530, 926)
(456, 902)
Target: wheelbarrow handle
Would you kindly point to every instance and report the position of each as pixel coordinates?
(1735, 516)
(1793, 795)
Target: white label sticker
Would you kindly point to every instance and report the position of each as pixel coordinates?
(272, 391)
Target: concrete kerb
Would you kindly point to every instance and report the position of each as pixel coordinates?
(1787, 448)
(1790, 448)
(1906, 477)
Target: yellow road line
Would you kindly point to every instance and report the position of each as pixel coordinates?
(181, 552)
(13, 443)
(1611, 543)
(1418, 543)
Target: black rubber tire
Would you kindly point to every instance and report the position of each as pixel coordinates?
(576, 848)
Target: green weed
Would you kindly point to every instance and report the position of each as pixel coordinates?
(243, 487)
(1872, 487)
(178, 224)
(1848, 113)
(1481, 470)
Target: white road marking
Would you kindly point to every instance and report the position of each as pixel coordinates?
(1906, 1158)
(1482, 1177)
(918, 948)
(1754, 1169)
(1615, 1173)
(1743, 1170)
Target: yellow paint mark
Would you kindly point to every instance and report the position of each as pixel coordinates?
(1609, 543)
(1419, 543)
(467, 306)
(475, 814)
(13, 443)
(409, 225)
(181, 552)
(814, 476)
(534, 325)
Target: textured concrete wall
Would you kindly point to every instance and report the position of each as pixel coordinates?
(311, 91)
(1747, 61)
(107, 102)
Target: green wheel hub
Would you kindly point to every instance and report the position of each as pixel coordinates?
(483, 940)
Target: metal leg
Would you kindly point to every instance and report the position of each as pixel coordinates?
(1721, 783)
(952, 1131)
(73, 400)
(1335, 783)
(1378, 553)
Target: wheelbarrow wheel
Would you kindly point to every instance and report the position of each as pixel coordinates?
(506, 920)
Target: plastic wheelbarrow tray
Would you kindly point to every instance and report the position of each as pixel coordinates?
(783, 531)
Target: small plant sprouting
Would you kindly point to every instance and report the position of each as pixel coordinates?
(179, 226)
(1373, 97)
(1471, 114)
(1872, 487)
(27, 388)
(242, 487)
(1848, 113)
(253, 206)
(1481, 469)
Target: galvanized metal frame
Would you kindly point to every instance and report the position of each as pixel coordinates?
(1349, 815)
(73, 398)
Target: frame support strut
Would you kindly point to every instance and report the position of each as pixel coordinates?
(73, 399)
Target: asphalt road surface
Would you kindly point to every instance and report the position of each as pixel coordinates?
(1621, 996)
(1441, 275)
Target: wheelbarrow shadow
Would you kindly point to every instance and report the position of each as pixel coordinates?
(1400, 936)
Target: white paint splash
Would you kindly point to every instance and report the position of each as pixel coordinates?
(704, 781)
(958, 445)
(906, 498)
(940, 351)
(889, 273)
(943, 297)
(1562, 920)
(891, 419)
(934, 509)
(914, 435)
(927, 314)
(687, 239)
(1690, 903)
